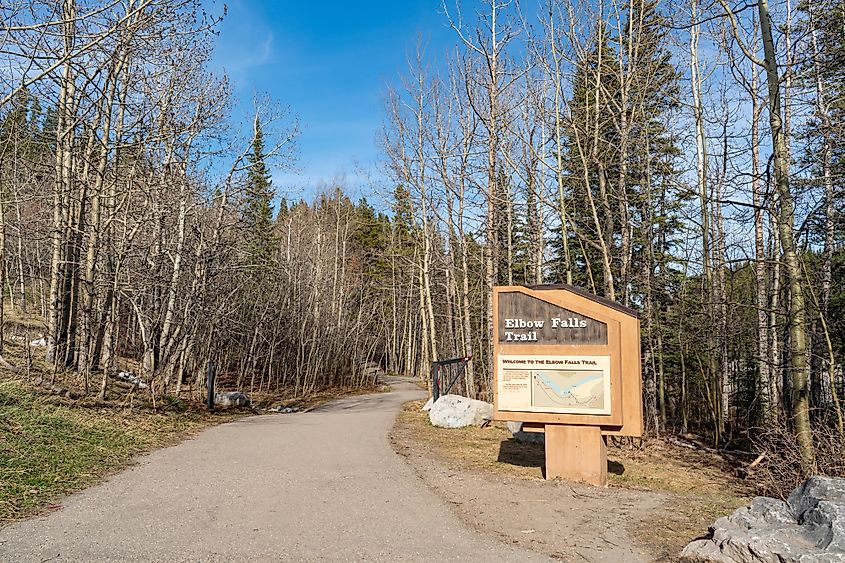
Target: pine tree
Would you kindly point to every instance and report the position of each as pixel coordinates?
(593, 85)
(371, 241)
(258, 208)
(511, 234)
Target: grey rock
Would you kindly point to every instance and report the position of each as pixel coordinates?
(813, 490)
(283, 409)
(529, 437)
(132, 379)
(514, 427)
(454, 411)
(762, 512)
(231, 399)
(810, 526)
(827, 521)
(704, 550)
(58, 390)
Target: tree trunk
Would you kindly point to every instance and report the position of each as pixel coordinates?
(796, 318)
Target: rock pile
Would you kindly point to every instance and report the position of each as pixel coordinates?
(132, 379)
(809, 526)
(454, 411)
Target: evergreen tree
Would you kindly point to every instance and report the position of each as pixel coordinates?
(512, 235)
(593, 87)
(371, 240)
(258, 208)
(403, 213)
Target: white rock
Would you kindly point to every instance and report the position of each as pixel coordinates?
(427, 406)
(39, 342)
(454, 411)
(130, 377)
(231, 399)
(283, 409)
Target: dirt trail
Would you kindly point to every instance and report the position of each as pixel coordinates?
(567, 521)
(323, 485)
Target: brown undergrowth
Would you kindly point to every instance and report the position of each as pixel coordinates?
(687, 489)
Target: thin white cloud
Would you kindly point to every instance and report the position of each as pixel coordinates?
(266, 50)
(247, 56)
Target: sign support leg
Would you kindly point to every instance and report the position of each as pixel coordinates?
(576, 453)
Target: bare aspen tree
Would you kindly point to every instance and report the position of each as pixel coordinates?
(796, 319)
(492, 38)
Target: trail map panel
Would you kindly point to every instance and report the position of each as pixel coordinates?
(555, 384)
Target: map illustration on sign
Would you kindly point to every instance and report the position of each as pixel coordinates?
(555, 384)
(578, 389)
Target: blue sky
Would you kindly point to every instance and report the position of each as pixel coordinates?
(331, 62)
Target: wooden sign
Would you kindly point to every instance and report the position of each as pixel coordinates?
(568, 363)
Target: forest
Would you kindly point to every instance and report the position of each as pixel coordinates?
(686, 160)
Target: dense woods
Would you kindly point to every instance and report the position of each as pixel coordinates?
(138, 226)
(685, 160)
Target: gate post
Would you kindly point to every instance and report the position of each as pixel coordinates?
(435, 381)
(210, 383)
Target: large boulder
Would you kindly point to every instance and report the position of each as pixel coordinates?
(454, 411)
(231, 399)
(810, 526)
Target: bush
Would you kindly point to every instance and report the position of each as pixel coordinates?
(781, 470)
(174, 403)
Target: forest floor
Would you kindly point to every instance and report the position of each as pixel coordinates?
(55, 440)
(661, 495)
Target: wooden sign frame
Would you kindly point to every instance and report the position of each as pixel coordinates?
(622, 346)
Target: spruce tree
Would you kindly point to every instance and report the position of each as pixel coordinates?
(258, 207)
(594, 84)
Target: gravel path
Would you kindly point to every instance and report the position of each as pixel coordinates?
(323, 485)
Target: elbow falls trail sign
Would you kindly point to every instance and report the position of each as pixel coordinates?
(567, 363)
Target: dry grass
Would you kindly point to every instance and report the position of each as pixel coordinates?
(23, 324)
(51, 446)
(472, 447)
(702, 488)
(698, 486)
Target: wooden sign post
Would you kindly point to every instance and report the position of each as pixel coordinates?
(567, 363)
